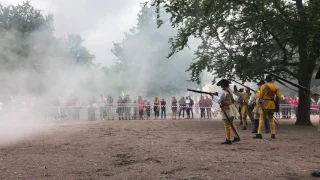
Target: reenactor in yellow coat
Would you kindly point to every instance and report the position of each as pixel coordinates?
(270, 98)
(254, 101)
(245, 111)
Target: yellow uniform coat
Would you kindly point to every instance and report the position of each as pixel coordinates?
(263, 95)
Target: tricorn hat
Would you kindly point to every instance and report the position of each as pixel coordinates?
(223, 82)
(261, 82)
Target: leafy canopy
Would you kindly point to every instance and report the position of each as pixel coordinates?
(141, 65)
(244, 37)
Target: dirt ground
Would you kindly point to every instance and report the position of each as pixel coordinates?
(170, 149)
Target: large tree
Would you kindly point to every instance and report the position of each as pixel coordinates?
(33, 58)
(18, 25)
(79, 52)
(245, 37)
(141, 65)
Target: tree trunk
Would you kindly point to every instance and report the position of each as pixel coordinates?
(303, 116)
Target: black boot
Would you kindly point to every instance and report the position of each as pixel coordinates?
(254, 131)
(236, 139)
(316, 173)
(119, 118)
(227, 142)
(258, 136)
(244, 128)
(273, 136)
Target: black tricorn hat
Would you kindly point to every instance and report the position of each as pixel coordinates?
(261, 82)
(268, 78)
(223, 81)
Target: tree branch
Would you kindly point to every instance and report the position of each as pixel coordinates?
(276, 4)
(273, 34)
(283, 69)
(291, 64)
(222, 44)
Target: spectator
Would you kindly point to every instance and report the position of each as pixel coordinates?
(182, 106)
(191, 107)
(290, 104)
(163, 109)
(120, 108)
(110, 107)
(284, 108)
(91, 109)
(174, 107)
(140, 107)
(188, 107)
(156, 107)
(102, 107)
(148, 109)
(209, 106)
(202, 104)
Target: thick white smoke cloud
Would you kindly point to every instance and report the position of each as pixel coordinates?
(38, 67)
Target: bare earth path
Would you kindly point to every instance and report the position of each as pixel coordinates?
(180, 149)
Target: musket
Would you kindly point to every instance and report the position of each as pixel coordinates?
(242, 85)
(202, 92)
(250, 116)
(282, 83)
(291, 83)
(228, 119)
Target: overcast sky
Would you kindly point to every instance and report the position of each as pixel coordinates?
(99, 22)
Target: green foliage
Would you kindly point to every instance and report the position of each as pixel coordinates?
(140, 63)
(31, 56)
(24, 18)
(17, 23)
(242, 38)
(78, 51)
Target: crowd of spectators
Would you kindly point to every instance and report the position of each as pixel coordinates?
(184, 107)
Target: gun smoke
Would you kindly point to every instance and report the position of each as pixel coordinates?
(38, 67)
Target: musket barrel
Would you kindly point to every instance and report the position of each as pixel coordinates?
(293, 84)
(242, 85)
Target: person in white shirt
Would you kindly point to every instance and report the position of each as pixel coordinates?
(228, 110)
